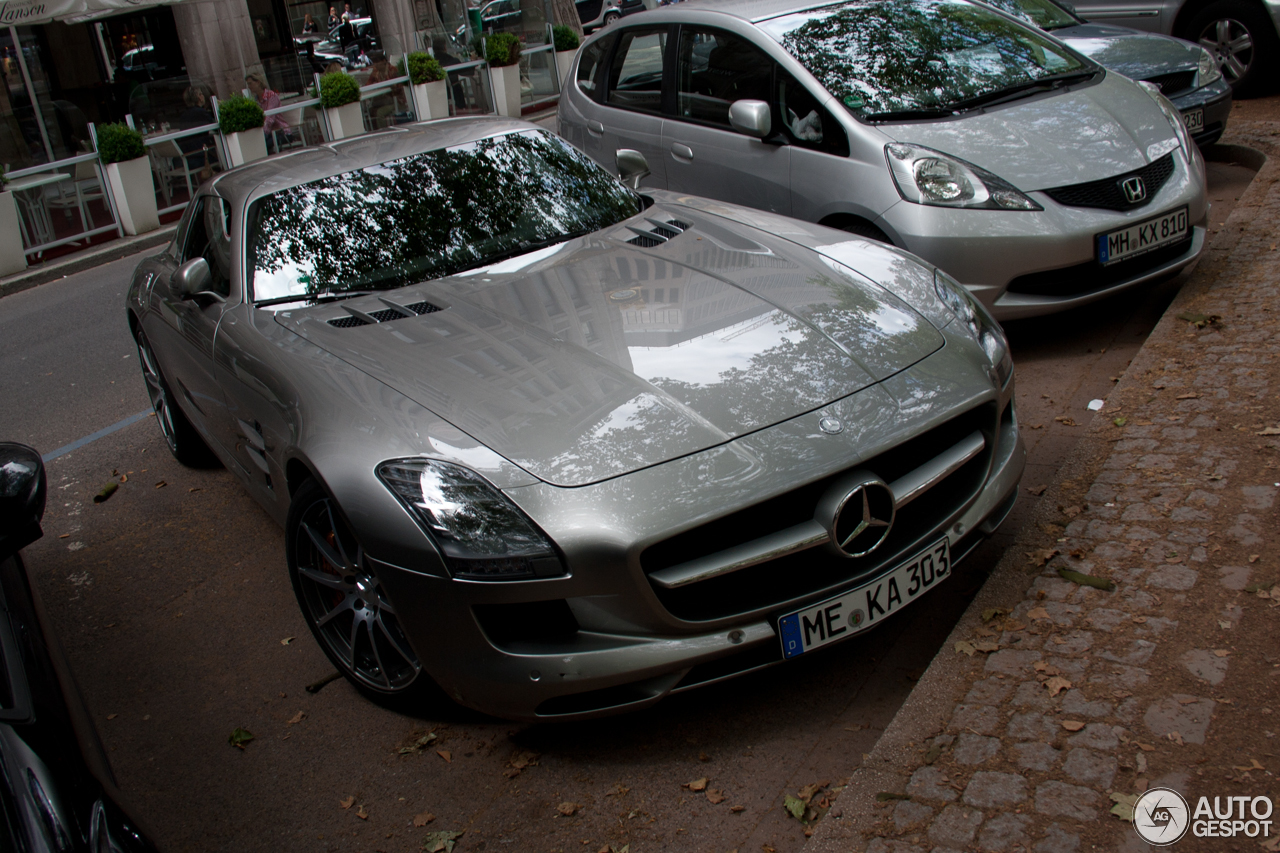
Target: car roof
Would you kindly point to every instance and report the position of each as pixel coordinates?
(303, 165)
(753, 11)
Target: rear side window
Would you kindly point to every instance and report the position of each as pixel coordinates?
(590, 80)
(807, 123)
(714, 70)
(635, 76)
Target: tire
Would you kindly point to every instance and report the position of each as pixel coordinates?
(611, 18)
(184, 441)
(344, 607)
(1242, 39)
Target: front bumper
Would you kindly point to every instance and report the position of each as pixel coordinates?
(998, 253)
(629, 649)
(1215, 100)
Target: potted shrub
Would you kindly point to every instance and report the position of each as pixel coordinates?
(12, 258)
(502, 52)
(566, 41)
(430, 93)
(133, 191)
(340, 97)
(240, 119)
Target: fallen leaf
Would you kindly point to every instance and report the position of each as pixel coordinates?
(1253, 558)
(1124, 804)
(715, 797)
(297, 718)
(112, 716)
(1057, 684)
(987, 646)
(1072, 511)
(1065, 421)
(440, 841)
(567, 809)
(1190, 396)
(1223, 624)
(1253, 765)
(806, 793)
(1087, 580)
(362, 813)
(697, 784)
(1140, 620)
(240, 737)
(736, 809)
(1187, 700)
(161, 484)
(421, 820)
(1035, 426)
(1200, 320)
(1222, 653)
(1043, 556)
(1144, 747)
(933, 754)
(347, 803)
(1072, 725)
(1036, 490)
(964, 647)
(1275, 430)
(1175, 737)
(1039, 612)
(1120, 421)
(446, 755)
(286, 641)
(992, 612)
(107, 491)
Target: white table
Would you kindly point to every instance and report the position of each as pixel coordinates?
(28, 191)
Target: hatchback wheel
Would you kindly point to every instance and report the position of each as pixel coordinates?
(1242, 40)
(343, 602)
(610, 18)
(184, 441)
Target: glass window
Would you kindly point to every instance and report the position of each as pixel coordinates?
(805, 121)
(208, 238)
(715, 69)
(589, 67)
(910, 59)
(635, 77)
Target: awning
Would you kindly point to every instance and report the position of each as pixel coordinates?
(21, 13)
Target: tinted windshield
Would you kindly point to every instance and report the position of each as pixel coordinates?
(430, 215)
(880, 57)
(1044, 14)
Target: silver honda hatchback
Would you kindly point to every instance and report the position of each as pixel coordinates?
(1029, 172)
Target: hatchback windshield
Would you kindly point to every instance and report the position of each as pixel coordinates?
(429, 215)
(886, 59)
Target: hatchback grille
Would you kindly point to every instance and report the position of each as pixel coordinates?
(1107, 193)
(1172, 84)
(778, 581)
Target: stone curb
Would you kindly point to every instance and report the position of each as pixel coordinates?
(88, 259)
(960, 705)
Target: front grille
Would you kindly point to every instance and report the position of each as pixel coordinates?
(1107, 194)
(1173, 84)
(1090, 276)
(347, 322)
(795, 576)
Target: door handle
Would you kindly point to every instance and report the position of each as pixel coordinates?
(595, 128)
(682, 152)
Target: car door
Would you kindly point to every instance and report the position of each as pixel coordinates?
(632, 113)
(181, 330)
(702, 153)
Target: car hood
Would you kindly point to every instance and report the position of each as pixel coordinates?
(597, 357)
(1133, 53)
(1086, 134)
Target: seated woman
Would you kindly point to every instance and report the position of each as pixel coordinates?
(198, 149)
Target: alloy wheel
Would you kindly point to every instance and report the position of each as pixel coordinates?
(158, 392)
(344, 602)
(1231, 44)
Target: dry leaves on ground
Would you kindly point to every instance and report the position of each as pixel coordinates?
(715, 797)
(441, 841)
(297, 718)
(419, 744)
(362, 812)
(1057, 684)
(446, 755)
(1043, 556)
(519, 761)
(347, 802)
(568, 809)
(421, 820)
(1037, 490)
(1039, 613)
(697, 784)
(1072, 725)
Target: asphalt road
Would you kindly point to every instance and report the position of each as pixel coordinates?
(172, 601)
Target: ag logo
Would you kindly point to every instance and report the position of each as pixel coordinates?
(1160, 816)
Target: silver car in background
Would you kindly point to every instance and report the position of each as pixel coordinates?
(1027, 171)
(560, 447)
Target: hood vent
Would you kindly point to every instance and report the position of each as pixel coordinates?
(659, 232)
(393, 311)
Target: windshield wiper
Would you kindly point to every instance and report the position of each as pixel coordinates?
(314, 298)
(1022, 90)
(909, 115)
(526, 246)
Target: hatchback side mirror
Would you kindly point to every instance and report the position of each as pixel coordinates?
(751, 118)
(192, 278)
(22, 493)
(632, 167)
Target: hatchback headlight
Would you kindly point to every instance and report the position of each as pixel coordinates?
(1175, 120)
(925, 176)
(482, 534)
(1207, 71)
(980, 325)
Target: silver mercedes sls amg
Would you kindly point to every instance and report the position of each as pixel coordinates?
(559, 447)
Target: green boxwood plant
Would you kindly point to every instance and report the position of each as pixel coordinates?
(239, 113)
(565, 38)
(337, 89)
(423, 68)
(502, 49)
(118, 143)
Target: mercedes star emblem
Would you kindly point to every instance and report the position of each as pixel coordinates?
(830, 425)
(863, 519)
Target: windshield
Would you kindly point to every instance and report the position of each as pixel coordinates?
(881, 57)
(429, 215)
(1044, 14)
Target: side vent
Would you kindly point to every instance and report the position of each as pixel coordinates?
(393, 311)
(423, 308)
(347, 322)
(385, 314)
(659, 232)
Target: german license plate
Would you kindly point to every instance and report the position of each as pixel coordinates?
(1194, 120)
(858, 609)
(1142, 238)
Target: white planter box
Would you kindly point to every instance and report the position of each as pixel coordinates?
(134, 194)
(564, 62)
(431, 100)
(345, 120)
(12, 258)
(246, 146)
(506, 89)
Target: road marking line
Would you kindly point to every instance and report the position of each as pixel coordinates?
(102, 433)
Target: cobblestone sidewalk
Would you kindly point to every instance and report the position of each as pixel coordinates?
(1030, 719)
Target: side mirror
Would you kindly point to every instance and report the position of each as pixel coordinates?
(22, 493)
(632, 167)
(192, 278)
(751, 118)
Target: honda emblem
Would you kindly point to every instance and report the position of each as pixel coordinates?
(1134, 190)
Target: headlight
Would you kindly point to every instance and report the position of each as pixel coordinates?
(980, 325)
(1208, 71)
(481, 533)
(1173, 115)
(925, 176)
